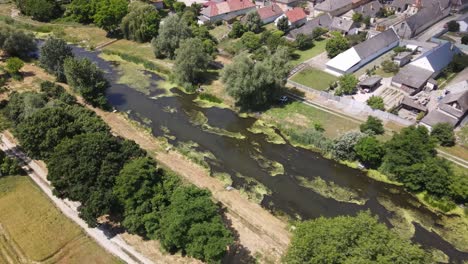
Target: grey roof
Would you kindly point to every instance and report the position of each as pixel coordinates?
(332, 5)
(376, 43)
(455, 104)
(413, 104)
(429, 13)
(401, 3)
(342, 24)
(308, 28)
(436, 117)
(371, 81)
(458, 87)
(370, 9)
(402, 55)
(412, 76)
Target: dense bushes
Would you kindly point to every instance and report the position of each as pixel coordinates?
(42, 10)
(53, 54)
(9, 166)
(141, 23)
(17, 43)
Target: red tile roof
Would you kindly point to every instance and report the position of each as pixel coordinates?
(228, 6)
(269, 11)
(295, 14)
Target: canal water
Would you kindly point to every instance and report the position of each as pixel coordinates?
(244, 159)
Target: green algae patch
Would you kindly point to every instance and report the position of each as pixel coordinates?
(225, 178)
(331, 190)
(260, 127)
(197, 118)
(274, 168)
(439, 256)
(378, 176)
(190, 150)
(253, 189)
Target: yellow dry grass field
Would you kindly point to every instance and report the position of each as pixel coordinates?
(33, 230)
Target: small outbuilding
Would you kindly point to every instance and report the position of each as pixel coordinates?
(370, 83)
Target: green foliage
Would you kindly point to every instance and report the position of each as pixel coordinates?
(459, 187)
(464, 40)
(458, 63)
(400, 49)
(256, 84)
(42, 10)
(348, 84)
(53, 54)
(369, 151)
(348, 239)
(191, 222)
(9, 166)
(376, 102)
(283, 24)
(443, 133)
(191, 61)
(367, 21)
(109, 14)
(87, 79)
(309, 137)
(237, 30)
(13, 66)
(253, 22)
(357, 17)
(23, 105)
(304, 42)
(318, 32)
(343, 147)
(273, 39)
(355, 39)
(171, 33)
(55, 91)
(141, 23)
(250, 41)
(17, 43)
(453, 26)
(336, 45)
(82, 11)
(210, 98)
(389, 66)
(138, 60)
(372, 125)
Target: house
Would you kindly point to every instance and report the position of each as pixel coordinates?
(414, 76)
(403, 58)
(356, 57)
(370, 83)
(225, 10)
(400, 6)
(308, 28)
(459, 5)
(426, 17)
(269, 13)
(334, 7)
(463, 24)
(296, 17)
(344, 26)
(452, 108)
(412, 105)
(370, 9)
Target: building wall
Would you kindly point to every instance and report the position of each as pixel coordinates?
(270, 19)
(298, 23)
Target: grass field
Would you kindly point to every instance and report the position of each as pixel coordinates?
(303, 55)
(33, 230)
(314, 78)
(300, 116)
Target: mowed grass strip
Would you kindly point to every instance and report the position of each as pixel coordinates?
(39, 229)
(303, 55)
(314, 78)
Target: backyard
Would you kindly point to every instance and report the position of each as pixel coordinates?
(303, 55)
(29, 224)
(314, 78)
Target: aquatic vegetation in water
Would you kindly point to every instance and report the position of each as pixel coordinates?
(331, 190)
(253, 189)
(225, 178)
(378, 176)
(207, 100)
(170, 110)
(273, 167)
(190, 150)
(199, 119)
(260, 127)
(167, 133)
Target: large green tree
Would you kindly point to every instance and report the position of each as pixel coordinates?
(109, 14)
(171, 33)
(42, 10)
(336, 45)
(347, 239)
(376, 102)
(369, 151)
(191, 61)
(17, 43)
(141, 23)
(53, 54)
(23, 105)
(253, 22)
(82, 11)
(348, 85)
(372, 125)
(343, 147)
(443, 133)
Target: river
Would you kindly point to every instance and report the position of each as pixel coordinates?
(244, 159)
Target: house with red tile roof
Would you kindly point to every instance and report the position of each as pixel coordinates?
(296, 17)
(225, 10)
(269, 13)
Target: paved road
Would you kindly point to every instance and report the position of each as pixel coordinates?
(115, 245)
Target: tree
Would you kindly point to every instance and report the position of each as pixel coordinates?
(87, 79)
(464, 40)
(191, 223)
(351, 239)
(453, 26)
(250, 41)
(237, 30)
(336, 45)
(42, 10)
(82, 11)
(389, 66)
(348, 83)
(171, 32)
(283, 24)
(372, 125)
(109, 14)
(53, 54)
(13, 66)
(23, 105)
(253, 22)
(357, 17)
(343, 147)
(179, 7)
(255, 85)
(17, 43)
(443, 133)
(376, 102)
(370, 152)
(318, 32)
(191, 61)
(141, 23)
(304, 42)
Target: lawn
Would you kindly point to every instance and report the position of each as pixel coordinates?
(299, 116)
(304, 55)
(220, 31)
(314, 78)
(33, 230)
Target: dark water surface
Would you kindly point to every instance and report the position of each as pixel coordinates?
(235, 156)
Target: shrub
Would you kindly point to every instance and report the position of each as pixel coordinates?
(443, 132)
(453, 26)
(304, 42)
(376, 102)
(210, 98)
(390, 67)
(372, 124)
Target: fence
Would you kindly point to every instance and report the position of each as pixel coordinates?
(350, 106)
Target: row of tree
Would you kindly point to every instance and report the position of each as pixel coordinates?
(112, 176)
